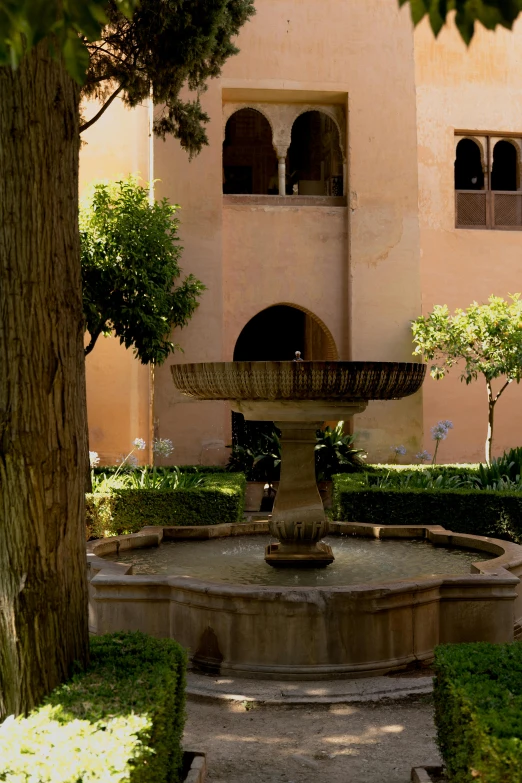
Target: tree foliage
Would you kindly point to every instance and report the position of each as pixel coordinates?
(489, 13)
(134, 50)
(167, 45)
(67, 23)
(486, 338)
(130, 255)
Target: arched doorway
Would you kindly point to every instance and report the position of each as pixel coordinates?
(249, 159)
(275, 334)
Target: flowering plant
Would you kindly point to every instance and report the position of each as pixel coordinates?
(439, 432)
(398, 451)
(423, 456)
(162, 447)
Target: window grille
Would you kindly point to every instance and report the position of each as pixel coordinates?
(488, 193)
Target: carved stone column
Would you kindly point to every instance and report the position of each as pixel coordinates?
(281, 172)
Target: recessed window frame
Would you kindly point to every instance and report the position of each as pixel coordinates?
(491, 209)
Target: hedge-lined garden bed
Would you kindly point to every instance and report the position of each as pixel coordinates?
(479, 512)
(478, 711)
(121, 720)
(220, 499)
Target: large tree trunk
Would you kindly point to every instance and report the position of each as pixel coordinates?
(43, 449)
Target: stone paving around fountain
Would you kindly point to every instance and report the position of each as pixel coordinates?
(280, 692)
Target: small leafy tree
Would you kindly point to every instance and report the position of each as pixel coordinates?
(486, 337)
(130, 254)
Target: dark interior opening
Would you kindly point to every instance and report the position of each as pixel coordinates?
(468, 166)
(273, 335)
(315, 162)
(504, 171)
(249, 159)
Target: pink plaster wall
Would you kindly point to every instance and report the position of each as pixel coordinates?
(118, 386)
(357, 268)
(285, 254)
(467, 89)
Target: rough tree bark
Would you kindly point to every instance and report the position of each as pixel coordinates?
(43, 448)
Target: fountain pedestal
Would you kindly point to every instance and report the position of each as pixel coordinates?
(298, 519)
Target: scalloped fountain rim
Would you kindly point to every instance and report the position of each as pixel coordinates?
(309, 632)
(295, 381)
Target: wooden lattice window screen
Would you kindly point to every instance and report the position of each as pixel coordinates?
(507, 210)
(471, 209)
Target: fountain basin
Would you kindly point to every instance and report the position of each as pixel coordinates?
(298, 396)
(310, 632)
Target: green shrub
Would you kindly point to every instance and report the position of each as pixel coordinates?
(204, 469)
(220, 499)
(464, 470)
(120, 720)
(259, 457)
(480, 512)
(478, 711)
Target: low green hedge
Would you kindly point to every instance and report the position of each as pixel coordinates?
(109, 470)
(454, 469)
(478, 711)
(119, 721)
(220, 499)
(480, 512)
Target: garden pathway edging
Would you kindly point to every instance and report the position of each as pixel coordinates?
(277, 692)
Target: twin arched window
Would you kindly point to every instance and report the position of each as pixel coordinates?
(314, 161)
(487, 183)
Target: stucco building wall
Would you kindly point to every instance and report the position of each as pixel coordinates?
(345, 264)
(366, 267)
(118, 386)
(465, 89)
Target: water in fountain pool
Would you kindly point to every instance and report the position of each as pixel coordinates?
(357, 560)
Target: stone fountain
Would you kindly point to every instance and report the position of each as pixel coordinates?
(298, 396)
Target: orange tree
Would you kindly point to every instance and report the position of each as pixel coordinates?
(485, 339)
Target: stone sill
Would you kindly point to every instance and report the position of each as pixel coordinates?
(195, 764)
(257, 200)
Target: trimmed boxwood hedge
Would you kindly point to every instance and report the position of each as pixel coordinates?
(109, 470)
(454, 469)
(478, 711)
(220, 499)
(480, 512)
(120, 720)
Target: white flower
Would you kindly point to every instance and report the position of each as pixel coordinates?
(139, 444)
(94, 459)
(162, 447)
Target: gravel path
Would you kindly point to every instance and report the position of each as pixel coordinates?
(337, 744)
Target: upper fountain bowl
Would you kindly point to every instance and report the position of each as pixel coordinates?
(320, 390)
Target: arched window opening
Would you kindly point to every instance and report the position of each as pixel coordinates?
(504, 174)
(249, 159)
(468, 166)
(274, 335)
(315, 161)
